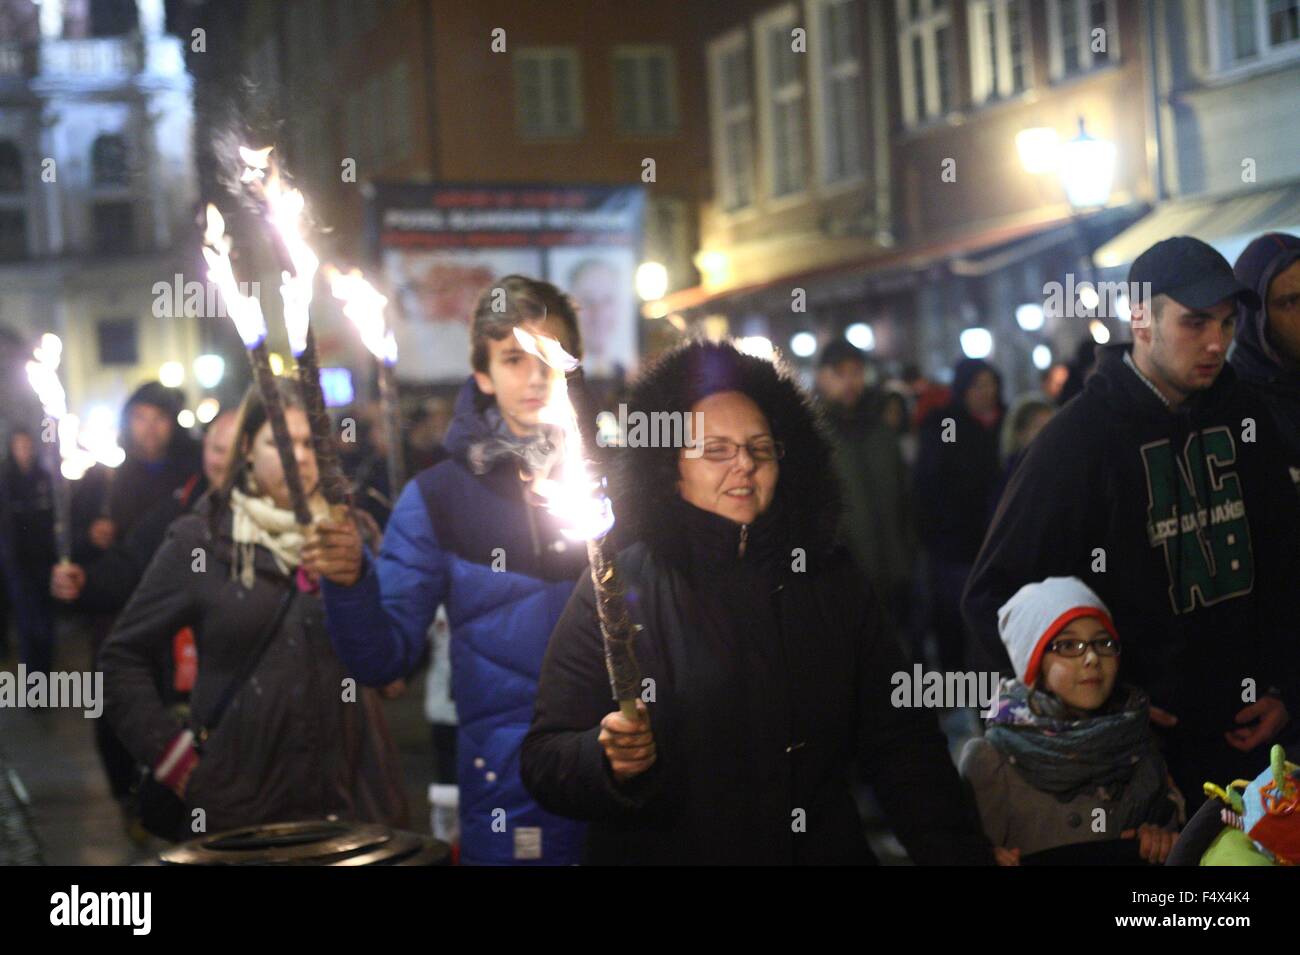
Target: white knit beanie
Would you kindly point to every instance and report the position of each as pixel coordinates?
(1038, 612)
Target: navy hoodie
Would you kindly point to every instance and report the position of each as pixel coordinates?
(1110, 492)
(1255, 358)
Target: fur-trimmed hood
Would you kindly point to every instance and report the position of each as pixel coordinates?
(643, 481)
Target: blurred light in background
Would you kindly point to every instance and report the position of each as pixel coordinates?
(208, 409)
(1029, 316)
(977, 343)
(276, 361)
(336, 383)
(208, 370)
(1088, 296)
(186, 419)
(171, 374)
(651, 281)
(1042, 356)
(1039, 149)
(756, 345)
(804, 344)
(861, 335)
(1100, 333)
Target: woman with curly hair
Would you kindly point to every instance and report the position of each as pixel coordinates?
(766, 670)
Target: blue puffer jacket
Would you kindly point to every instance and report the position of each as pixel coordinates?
(471, 541)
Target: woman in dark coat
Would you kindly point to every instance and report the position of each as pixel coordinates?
(766, 671)
(957, 473)
(298, 740)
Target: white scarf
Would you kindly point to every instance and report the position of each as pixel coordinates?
(257, 521)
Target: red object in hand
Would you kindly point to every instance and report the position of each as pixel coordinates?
(185, 656)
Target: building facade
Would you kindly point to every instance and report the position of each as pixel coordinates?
(96, 189)
(867, 171)
(489, 92)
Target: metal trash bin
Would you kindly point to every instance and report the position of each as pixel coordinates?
(310, 842)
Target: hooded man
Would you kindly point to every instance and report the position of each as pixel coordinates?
(1163, 487)
(1267, 356)
(159, 459)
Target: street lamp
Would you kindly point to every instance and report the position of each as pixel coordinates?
(1087, 169)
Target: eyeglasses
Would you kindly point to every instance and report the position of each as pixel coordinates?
(1102, 646)
(760, 451)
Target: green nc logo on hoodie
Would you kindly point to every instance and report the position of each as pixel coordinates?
(1197, 514)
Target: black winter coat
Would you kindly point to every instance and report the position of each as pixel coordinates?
(768, 684)
(289, 745)
(954, 482)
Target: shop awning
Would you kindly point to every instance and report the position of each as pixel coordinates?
(1227, 222)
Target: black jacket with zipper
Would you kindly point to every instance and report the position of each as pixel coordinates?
(296, 741)
(1186, 525)
(769, 683)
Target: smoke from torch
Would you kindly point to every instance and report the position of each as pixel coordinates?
(283, 210)
(576, 498)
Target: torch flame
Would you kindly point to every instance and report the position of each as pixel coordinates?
(285, 213)
(584, 512)
(364, 306)
(79, 448)
(244, 310)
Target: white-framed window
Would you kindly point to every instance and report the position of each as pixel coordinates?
(838, 119)
(548, 92)
(1246, 32)
(925, 59)
(999, 48)
(1083, 36)
(783, 102)
(731, 107)
(645, 90)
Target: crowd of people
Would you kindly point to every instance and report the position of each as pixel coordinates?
(1119, 547)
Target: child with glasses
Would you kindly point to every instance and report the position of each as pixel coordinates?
(1069, 756)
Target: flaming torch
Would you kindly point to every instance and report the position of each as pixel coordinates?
(246, 312)
(283, 209)
(43, 373)
(363, 304)
(576, 497)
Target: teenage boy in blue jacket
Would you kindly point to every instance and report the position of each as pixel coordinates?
(464, 534)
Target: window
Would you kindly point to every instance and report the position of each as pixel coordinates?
(999, 47)
(11, 167)
(108, 161)
(925, 59)
(732, 108)
(783, 103)
(1083, 35)
(398, 126)
(1253, 31)
(13, 234)
(117, 341)
(645, 91)
(547, 94)
(837, 90)
(112, 17)
(112, 227)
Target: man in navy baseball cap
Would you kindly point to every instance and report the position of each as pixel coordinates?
(1185, 299)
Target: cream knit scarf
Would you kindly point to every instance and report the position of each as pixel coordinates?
(258, 522)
